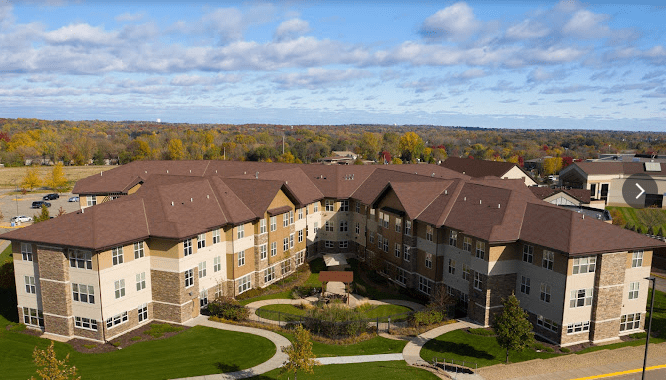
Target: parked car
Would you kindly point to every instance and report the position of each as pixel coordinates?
(73, 199)
(38, 204)
(52, 196)
(21, 219)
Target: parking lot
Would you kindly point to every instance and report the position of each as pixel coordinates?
(12, 205)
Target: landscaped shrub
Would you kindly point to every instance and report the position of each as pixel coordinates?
(307, 290)
(565, 350)
(228, 308)
(482, 332)
(538, 346)
(426, 317)
(334, 320)
(550, 349)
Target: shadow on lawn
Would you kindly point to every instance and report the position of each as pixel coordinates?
(224, 368)
(462, 349)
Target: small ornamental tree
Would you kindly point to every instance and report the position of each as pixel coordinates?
(300, 356)
(44, 215)
(57, 180)
(31, 179)
(513, 329)
(50, 368)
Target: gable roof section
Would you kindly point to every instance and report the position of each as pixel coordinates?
(415, 196)
(256, 194)
(295, 180)
(582, 195)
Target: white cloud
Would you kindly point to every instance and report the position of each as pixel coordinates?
(527, 29)
(291, 28)
(585, 24)
(318, 77)
(129, 17)
(76, 34)
(193, 80)
(540, 75)
(454, 22)
(226, 23)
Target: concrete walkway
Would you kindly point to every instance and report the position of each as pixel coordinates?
(412, 351)
(275, 362)
(359, 359)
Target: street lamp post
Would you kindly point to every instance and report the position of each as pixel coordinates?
(647, 338)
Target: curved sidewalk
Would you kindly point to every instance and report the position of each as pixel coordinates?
(275, 362)
(412, 351)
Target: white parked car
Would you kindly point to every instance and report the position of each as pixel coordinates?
(74, 199)
(21, 219)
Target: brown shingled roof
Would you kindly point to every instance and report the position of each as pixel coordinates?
(582, 195)
(477, 168)
(617, 168)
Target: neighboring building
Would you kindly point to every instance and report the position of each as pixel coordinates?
(562, 196)
(183, 232)
(604, 180)
(482, 168)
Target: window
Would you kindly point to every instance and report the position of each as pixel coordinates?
(91, 200)
(380, 241)
(273, 248)
(329, 205)
(408, 227)
(269, 274)
(187, 247)
(300, 213)
(202, 269)
(217, 262)
(584, 265)
(273, 223)
(140, 281)
(138, 250)
(407, 252)
(315, 208)
(300, 258)
(201, 241)
(545, 293)
(628, 322)
(401, 277)
(343, 226)
(120, 288)
(291, 241)
(217, 238)
(285, 244)
(372, 211)
(452, 266)
(577, 327)
(116, 320)
(80, 259)
(300, 236)
(30, 287)
(142, 310)
(548, 259)
(328, 244)
(328, 226)
(344, 205)
(262, 226)
(425, 285)
(528, 253)
(386, 243)
(547, 323)
(453, 238)
(429, 233)
(372, 238)
(467, 244)
(633, 290)
(117, 254)
(524, 285)
(385, 221)
(189, 278)
(263, 251)
(33, 317)
(85, 323)
(581, 297)
(398, 224)
(465, 272)
(480, 250)
(244, 283)
(240, 231)
(241, 258)
(26, 251)
(478, 281)
(358, 207)
(358, 228)
(397, 250)
(291, 217)
(343, 244)
(637, 259)
(285, 267)
(285, 219)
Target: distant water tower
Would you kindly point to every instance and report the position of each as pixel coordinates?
(159, 120)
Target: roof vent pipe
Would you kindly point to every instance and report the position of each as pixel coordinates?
(479, 201)
(207, 196)
(190, 170)
(499, 205)
(583, 216)
(100, 173)
(446, 192)
(433, 174)
(191, 199)
(464, 199)
(172, 203)
(256, 175)
(167, 171)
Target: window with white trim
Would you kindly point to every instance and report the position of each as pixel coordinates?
(344, 205)
(380, 241)
(428, 260)
(33, 317)
(478, 281)
(91, 200)
(116, 320)
(244, 283)
(85, 323)
(189, 278)
(202, 269)
(584, 265)
(343, 226)
(119, 287)
(300, 236)
(328, 244)
(545, 293)
(343, 244)
(285, 267)
(372, 211)
(218, 238)
(201, 241)
(269, 274)
(187, 247)
(300, 258)
(285, 219)
(358, 207)
(578, 327)
(117, 255)
(300, 213)
(262, 226)
(452, 266)
(633, 290)
(30, 286)
(385, 221)
(453, 238)
(315, 207)
(241, 258)
(480, 250)
(465, 272)
(467, 244)
(142, 311)
(397, 250)
(291, 241)
(291, 217)
(285, 244)
(637, 259)
(240, 231)
(547, 323)
(425, 285)
(329, 205)
(630, 322)
(328, 227)
(80, 259)
(386, 245)
(408, 227)
(263, 251)
(528, 253)
(401, 276)
(372, 238)
(398, 225)
(140, 281)
(358, 228)
(429, 233)
(26, 251)
(273, 248)
(524, 285)
(548, 259)
(273, 223)
(407, 252)
(581, 297)
(217, 262)
(138, 250)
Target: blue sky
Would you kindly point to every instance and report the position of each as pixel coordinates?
(517, 64)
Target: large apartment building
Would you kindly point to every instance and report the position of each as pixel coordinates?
(155, 240)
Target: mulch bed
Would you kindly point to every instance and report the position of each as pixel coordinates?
(123, 341)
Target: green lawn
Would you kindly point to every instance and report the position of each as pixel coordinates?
(637, 217)
(369, 313)
(197, 351)
(316, 266)
(396, 370)
(5, 255)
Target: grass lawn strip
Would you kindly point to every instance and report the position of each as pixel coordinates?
(396, 370)
(5, 255)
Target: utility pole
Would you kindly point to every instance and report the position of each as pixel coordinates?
(647, 338)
